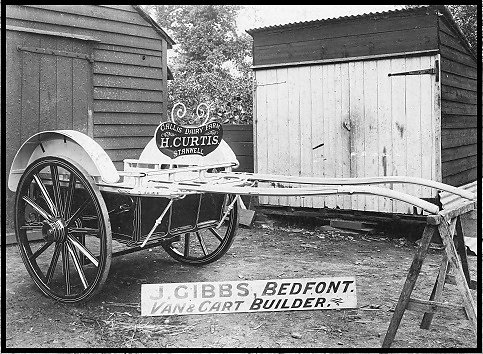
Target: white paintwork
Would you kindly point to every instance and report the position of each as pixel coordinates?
(68, 144)
(393, 121)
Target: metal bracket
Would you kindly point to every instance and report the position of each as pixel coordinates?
(59, 53)
(432, 71)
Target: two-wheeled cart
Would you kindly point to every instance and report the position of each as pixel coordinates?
(181, 194)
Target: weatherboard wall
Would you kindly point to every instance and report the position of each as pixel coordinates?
(128, 74)
(459, 73)
(345, 38)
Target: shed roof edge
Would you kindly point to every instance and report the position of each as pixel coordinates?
(155, 25)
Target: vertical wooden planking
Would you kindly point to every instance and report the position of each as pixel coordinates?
(330, 146)
(345, 153)
(398, 109)
(30, 89)
(371, 136)
(262, 138)
(413, 124)
(64, 86)
(437, 125)
(81, 89)
(13, 110)
(427, 134)
(48, 86)
(306, 159)
(294, 126)
(317, 123)
(338, 133)
(255, 122)
(356, 76)
(384, 128)
(271, 118)
(164, 66)
(282, 127)
(13, 103)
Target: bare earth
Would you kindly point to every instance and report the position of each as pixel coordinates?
(270, 250)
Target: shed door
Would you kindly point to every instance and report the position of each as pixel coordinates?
(349, 120)
(55, 83)
(49, 87)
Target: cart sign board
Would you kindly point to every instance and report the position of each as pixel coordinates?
(248, 296)
(175, 140)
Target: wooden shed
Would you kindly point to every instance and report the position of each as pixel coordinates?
(379, 94)
(100, 70)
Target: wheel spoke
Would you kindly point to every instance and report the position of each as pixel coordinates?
(37, 208)
(77, 265)
(202, 243)
(40, 250)
(46, 195)
(83, 250)
(65, 264)
(69, 196)
(53, 263)
(83, 230)
(187, 245)
(56, 187)
(214, 232)
(78, 212)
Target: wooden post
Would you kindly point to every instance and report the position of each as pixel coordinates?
(438, 287)
(437, 291)
(446, 223)
(409, 285)
(461, 281)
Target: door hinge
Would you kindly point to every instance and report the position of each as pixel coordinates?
(431, 71)
(59, 53)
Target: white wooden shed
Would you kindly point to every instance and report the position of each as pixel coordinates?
(381, 94)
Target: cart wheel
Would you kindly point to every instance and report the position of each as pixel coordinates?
(61, 217)
(208, 244)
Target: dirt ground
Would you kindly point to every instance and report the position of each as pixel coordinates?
(269, 250)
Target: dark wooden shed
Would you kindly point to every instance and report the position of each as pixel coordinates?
(97, 69)
(328, 102)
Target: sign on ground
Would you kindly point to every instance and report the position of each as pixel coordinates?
(248, 296)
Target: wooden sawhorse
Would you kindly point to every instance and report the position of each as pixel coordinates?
(446, 223)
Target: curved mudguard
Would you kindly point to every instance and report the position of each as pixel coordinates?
(63, 143)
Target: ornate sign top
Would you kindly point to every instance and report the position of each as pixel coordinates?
(175, 140)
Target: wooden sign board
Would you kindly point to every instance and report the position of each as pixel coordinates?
(175, 140)
(248, 296)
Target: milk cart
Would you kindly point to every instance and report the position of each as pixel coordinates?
(181, 194)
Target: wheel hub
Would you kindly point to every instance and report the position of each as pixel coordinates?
(54, 231)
